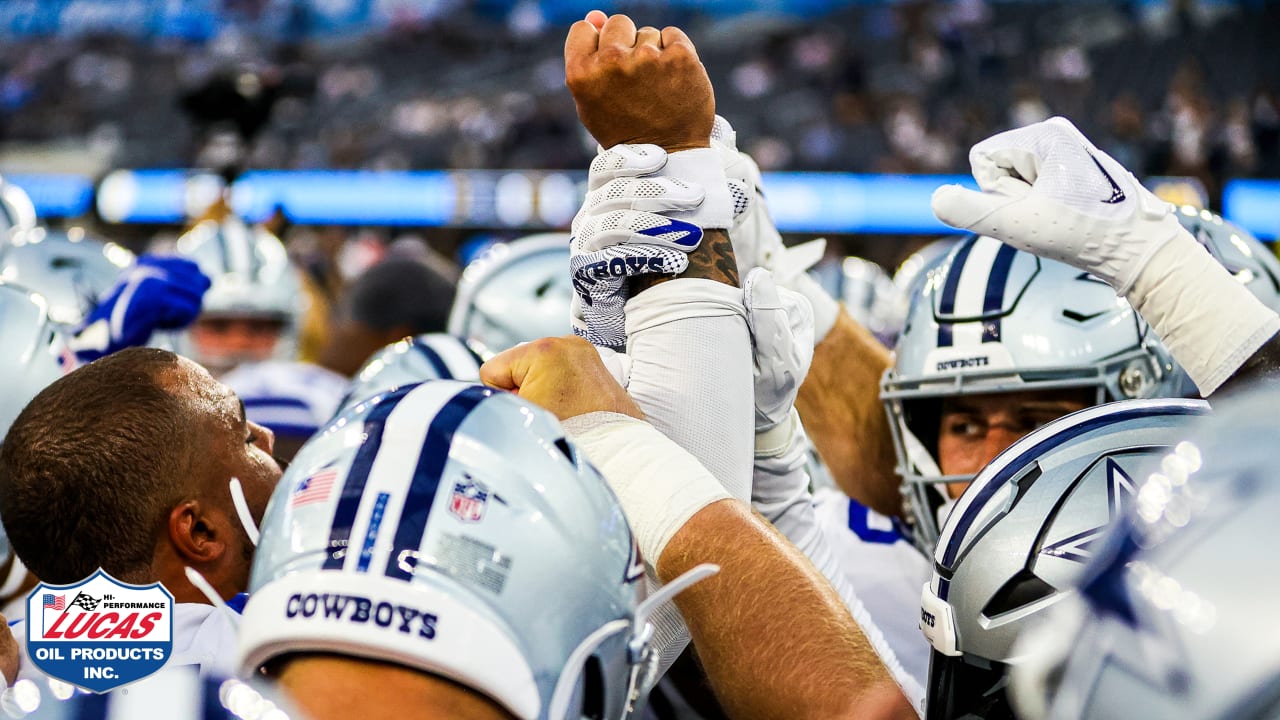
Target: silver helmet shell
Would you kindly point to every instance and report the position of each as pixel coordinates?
(72, 271)
(513, 293)
(431, 356)
(992, 319)
(1171, 616)
(870, 297)
(251, 277)
(453, 529)
(1019, 537)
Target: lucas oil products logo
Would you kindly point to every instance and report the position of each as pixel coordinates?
(99, 633)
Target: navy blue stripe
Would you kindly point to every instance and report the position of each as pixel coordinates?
(858, 520)
(274, 401)
(993, 301)
(947, 304)
(1017, 464)
(212, 708)
(292, 430)
(433, 357)
(426, 476)
(353, 490)
(944, 588)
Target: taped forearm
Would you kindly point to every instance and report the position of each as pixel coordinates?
(691, 373)
(1210, 323)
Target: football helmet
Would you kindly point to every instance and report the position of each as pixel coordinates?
(35, 354)
(1019, 537)
(1242, 254)
(871, 299)
(992, 319)
(1171, 617)
(453, 529)
(17, 212)
(513, 293)
(70, 270)
(252, 279)
(432, 356)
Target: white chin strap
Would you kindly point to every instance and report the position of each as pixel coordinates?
(17, 575)
(918, 455)
(242, 511)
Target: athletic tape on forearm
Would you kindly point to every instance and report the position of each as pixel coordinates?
(691, 373)
(659, 485)
(702, 167)
(1209, 322)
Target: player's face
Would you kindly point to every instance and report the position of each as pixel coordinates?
(222, 342)
(975, 428)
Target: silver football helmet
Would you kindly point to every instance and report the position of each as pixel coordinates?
(35, 354)
(1172, 615)
(433, 356)
(1244, 256)
(992, 319)
(252, 277)
(515, 292)
(70, 270)
(17, 212)
(1018, 538)
(431, 526)
(871, 299)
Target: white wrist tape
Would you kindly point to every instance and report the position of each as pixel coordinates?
(1209, 322)
(701, 168)
(659, 484)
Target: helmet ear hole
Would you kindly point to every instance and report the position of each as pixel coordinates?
(593, 700)
(1021, 590)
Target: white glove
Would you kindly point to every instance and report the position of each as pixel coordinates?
(756, 240)
(1047, 190)
(619, 234)
(781, 324)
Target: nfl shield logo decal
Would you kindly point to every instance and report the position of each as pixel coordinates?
(99, 633)
(468, 500)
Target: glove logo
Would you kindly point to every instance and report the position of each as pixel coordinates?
(687, 235)
(1117, 195)
(99, 633)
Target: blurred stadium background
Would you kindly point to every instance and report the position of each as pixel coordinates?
(358, 127)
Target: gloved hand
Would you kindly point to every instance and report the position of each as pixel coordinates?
(1047, 190)
(618, 234)
(756, 240)
(157, 293)
(781, 324)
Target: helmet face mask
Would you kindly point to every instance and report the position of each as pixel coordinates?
(992, 320)
(456, 507)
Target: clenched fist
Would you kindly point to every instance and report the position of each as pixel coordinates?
(564, 375)
(638, 86)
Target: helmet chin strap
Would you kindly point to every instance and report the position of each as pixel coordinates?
(17, 575)
(242, 511)
(918, 455)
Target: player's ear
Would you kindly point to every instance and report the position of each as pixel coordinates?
(194, 533)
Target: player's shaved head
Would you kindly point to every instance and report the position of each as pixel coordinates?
(91, 467)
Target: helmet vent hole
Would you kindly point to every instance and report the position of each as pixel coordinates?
(1021, 590)
(593, 689)
(563, 445)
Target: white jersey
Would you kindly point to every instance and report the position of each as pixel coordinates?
(290, 398)
(885, 570)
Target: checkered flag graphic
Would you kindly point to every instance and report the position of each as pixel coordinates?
(86, 602)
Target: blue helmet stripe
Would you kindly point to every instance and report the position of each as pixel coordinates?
(349, 502)
(1015, 465)
(421, 494)
(947, 304)
(437, 363)
(993, 301)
